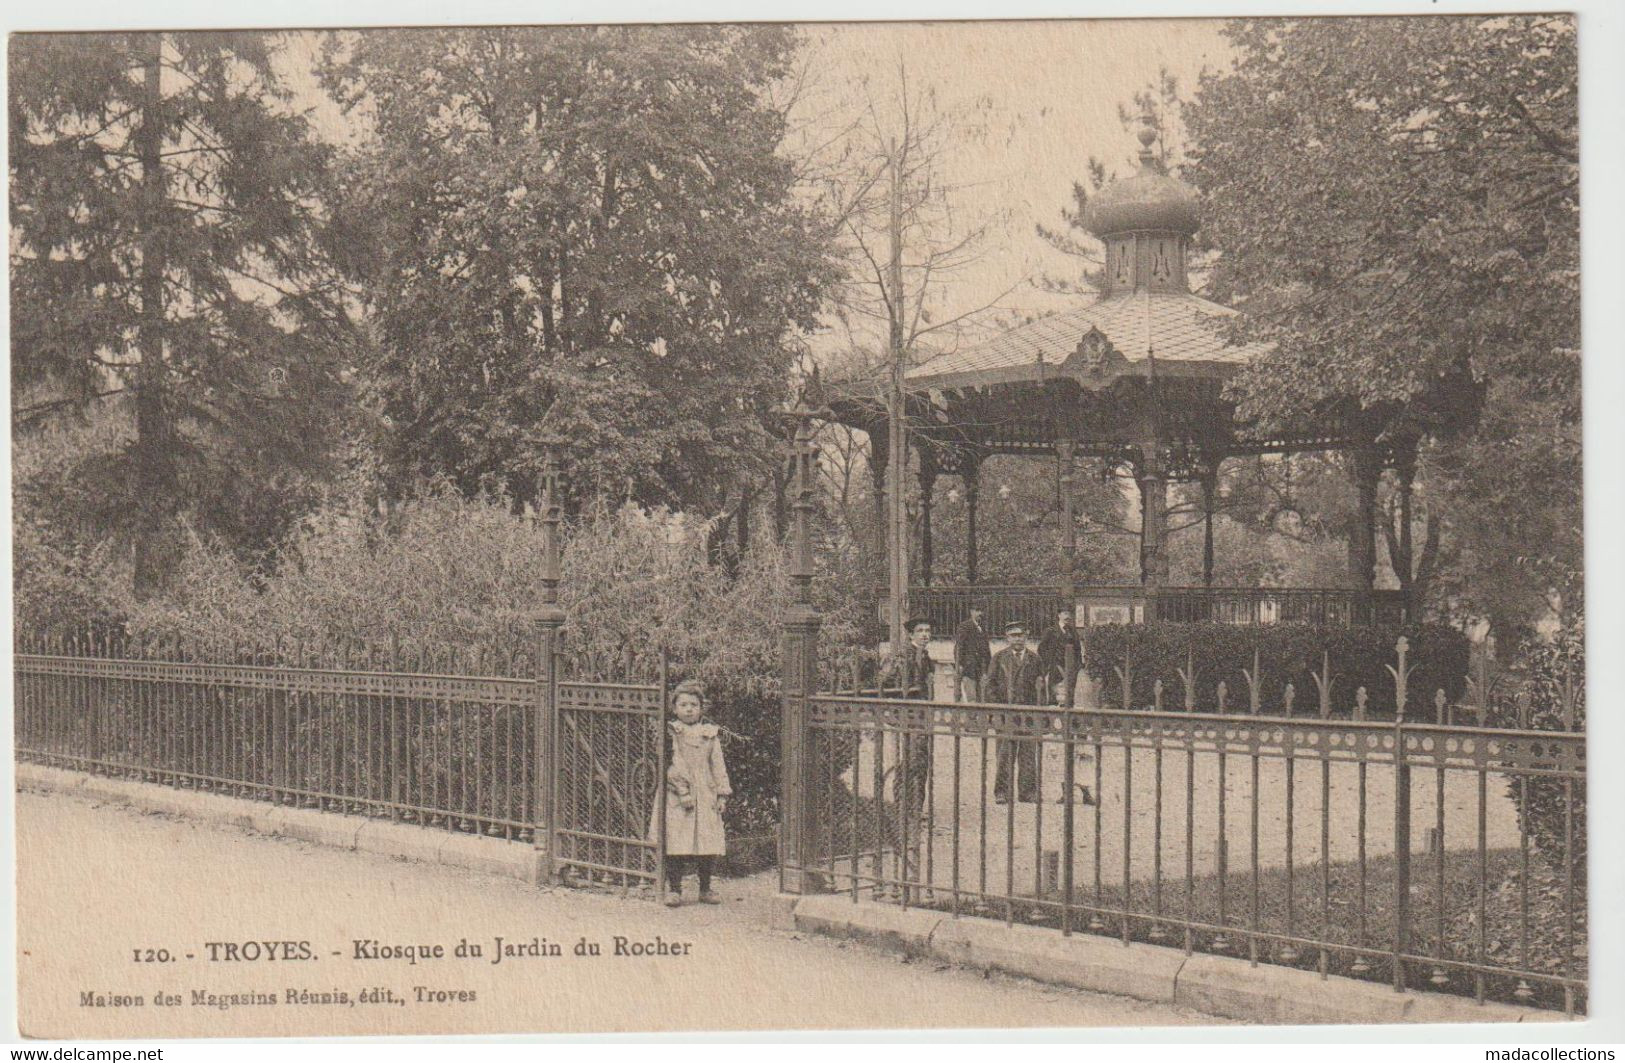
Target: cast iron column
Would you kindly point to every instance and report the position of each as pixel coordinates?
(928, 486)
(1152, 478)
(1069, 526)
(1367, 472)
(549, 618)
(1210, 484)
(1405, 564)
(879, 461)
(972, 475)
(800, 669)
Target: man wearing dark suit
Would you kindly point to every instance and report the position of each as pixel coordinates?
(908, 675)
(1059, 668)
(972, 655)
(1015, 679)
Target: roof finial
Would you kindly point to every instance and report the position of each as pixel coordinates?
(1147, 133)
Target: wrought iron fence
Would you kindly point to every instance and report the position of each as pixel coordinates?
(463, 742)
(948, 607)
(1396, 851)
(436, 738)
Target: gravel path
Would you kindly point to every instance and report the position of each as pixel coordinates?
(96, 882)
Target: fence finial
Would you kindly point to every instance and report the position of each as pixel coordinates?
(1254, 685)
(1188, 675)
(803, 453)
(1402, 677)
(1323, 682)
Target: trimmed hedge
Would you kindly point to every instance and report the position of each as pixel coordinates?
(1286, 654)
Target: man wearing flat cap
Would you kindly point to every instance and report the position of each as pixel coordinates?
(908, 675)
(1016, 679)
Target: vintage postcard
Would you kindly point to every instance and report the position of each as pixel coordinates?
(604, 528)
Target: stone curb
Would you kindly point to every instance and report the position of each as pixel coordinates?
(1085, 961)
(1216, 985)
(1226, 985)
(906, 930)
(490, 856)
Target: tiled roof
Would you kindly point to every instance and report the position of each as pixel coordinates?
(1176, 326)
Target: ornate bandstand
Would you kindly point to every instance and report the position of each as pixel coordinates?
(1133, 377)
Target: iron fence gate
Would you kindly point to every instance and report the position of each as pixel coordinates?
(608, 777)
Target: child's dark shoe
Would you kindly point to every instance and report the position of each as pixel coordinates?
(710, 898)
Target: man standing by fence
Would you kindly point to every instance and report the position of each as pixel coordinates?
(909, 675)
(1016, 680)
(1060, 655)
(972, 656)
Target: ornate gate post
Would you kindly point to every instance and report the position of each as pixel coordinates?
(544, 774)
(799, 676)
(1402, 813)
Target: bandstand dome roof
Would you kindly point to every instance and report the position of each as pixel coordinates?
(1145, 202)
(1148, 201)
(1118, 331)
(1184, 333)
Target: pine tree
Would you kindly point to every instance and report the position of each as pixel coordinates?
(168, 250)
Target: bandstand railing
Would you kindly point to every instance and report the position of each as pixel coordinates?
(948, 606)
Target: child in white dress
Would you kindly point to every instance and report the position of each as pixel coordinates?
(697, 792)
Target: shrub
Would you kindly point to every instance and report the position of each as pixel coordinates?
(453, 581)
(1287, 654)
(65, 564)
(1543, 801)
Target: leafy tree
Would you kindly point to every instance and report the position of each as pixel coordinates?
(1511, 497)
(1397, 204)
(167, 247)
(450, 583)
(583, 235)
(1019, 528)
